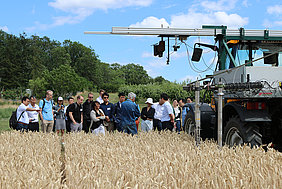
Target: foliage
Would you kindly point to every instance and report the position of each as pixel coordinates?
(135, 74)
(14, 94)
(153, 90)
(40, 63)
(63, 80)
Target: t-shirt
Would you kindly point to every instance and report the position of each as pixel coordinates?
(100, 100)
(167, 110)
(76, 111)
(47, 112)
(33, 115)
(24, 118)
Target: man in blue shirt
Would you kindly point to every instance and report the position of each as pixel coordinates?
(129, 112)
(108, 109)
(46, 112)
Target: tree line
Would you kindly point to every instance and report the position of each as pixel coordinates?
(39, 63)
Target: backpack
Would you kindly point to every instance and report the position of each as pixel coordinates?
(13, 121)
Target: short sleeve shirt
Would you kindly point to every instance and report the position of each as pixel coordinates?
(24, 118)
(33, 115)
(167, 110)
(47, 111)
(76, 111)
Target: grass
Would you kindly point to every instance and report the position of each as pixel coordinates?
(5, 114)
(4, 124)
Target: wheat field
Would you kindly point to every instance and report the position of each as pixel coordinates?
(149, 160)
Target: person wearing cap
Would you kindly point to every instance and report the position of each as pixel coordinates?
(60, 123)
(147, 116)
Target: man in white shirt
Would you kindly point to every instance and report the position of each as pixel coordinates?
(22, 115)
(157, 124)
(167, 118)
(33, 115)
(100, 99)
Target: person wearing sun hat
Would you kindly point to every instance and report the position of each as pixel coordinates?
(147, 116)
(60, 116)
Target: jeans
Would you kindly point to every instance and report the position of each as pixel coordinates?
(178, 126)
(22, 127)
(130, 129)
(118, 127)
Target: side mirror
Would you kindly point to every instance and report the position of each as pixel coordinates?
(197, 53)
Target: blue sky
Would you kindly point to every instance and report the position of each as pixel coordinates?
(68, 19)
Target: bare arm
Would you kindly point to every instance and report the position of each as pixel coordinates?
(40, 113)
(71, 117)
(171, 118)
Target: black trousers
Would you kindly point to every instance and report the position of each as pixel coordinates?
(33, 127)
(86, 125)
(157, 124)
(167, 125)
(68, 128)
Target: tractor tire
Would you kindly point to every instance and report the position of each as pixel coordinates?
(189, 124)
(238, 133)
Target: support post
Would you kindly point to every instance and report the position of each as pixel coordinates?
(219, 111)
(197, 113)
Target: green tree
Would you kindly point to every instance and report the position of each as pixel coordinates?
(135, 74)
(62, 80)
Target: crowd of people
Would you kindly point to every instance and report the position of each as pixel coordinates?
(101, 115)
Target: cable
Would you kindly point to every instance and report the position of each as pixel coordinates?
(195, 69)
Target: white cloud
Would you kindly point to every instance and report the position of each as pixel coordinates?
(76, 6)
(276, 9)
(196, 20)
(219, 5)
(269, 24)
(78, 10)
(151, 22)
(4, 28)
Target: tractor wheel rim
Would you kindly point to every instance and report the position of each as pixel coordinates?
(191, 128)
(233, 137)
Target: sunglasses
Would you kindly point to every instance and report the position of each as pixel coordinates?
(105, 97)
(90, 97)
